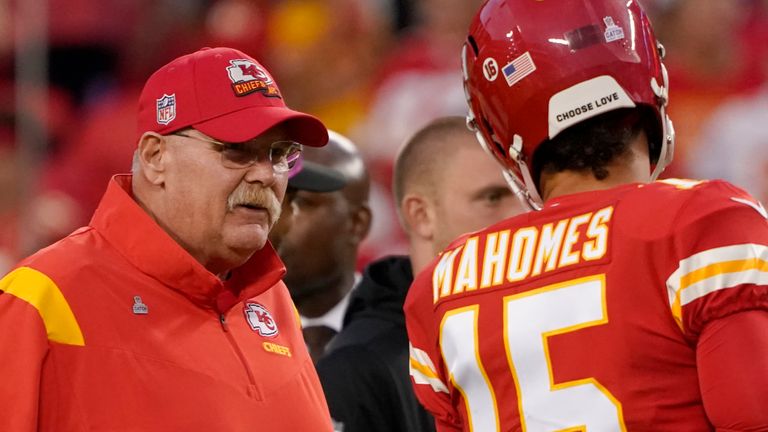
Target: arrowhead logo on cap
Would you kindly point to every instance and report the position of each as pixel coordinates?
(248, 77)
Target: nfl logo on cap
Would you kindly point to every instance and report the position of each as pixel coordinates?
(166, 109)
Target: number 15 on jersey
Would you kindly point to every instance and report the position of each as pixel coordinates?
(530, 318)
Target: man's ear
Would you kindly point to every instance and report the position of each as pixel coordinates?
(151, 157)
(418, 216)
(361, 223)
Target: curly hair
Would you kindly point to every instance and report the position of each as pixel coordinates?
(594, 143)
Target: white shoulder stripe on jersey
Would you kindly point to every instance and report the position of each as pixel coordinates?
(423, 370)
(716, 269)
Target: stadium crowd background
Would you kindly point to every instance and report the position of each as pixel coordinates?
(375, 70)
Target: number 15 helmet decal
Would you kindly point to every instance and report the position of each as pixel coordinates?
(533, 68)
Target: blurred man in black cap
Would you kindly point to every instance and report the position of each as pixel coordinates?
(320, 248)
(304, 176)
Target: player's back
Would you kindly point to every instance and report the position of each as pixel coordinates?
(585, 315)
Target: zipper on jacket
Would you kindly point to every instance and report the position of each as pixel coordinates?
(252, 389)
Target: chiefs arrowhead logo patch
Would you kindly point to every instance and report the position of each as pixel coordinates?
(260, 320)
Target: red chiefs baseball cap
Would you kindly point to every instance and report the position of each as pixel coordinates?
(224, 94)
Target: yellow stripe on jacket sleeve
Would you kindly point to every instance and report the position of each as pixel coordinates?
(423, 370)
(41, 292)
(714, 270)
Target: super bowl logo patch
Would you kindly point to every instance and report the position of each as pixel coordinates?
(248, 77)
(166, 109)
(260, 320)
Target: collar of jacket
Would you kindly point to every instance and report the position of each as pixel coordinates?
(130, 230)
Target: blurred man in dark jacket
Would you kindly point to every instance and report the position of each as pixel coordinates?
(365, 371)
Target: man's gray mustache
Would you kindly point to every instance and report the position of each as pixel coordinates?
(256, 196)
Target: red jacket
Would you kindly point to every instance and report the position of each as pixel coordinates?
(118, 328)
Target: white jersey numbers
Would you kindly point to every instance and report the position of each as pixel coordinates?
(530, 318)
(459, 344)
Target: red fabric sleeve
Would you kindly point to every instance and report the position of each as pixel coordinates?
(732, 357)
(721, 240)
(446, 427)
(23, 347)
(423, 345)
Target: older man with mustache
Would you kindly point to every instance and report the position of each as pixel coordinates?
(168, 311)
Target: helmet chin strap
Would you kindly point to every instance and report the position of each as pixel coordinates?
(667, 129)
(520, 191)
(533, 199)
(667, 147)
(525, 189)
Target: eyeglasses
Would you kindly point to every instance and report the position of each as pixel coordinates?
(283, 155)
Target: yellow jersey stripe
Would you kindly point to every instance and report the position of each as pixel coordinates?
(38, 290)
(722, 268)
(424, 370)
(423, 375)
(714, 270)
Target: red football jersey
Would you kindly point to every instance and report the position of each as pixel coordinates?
(586, 316)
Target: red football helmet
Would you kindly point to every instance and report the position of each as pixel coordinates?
(532, 68)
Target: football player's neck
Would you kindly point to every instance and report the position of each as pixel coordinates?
(421, 251)
(631, 167)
